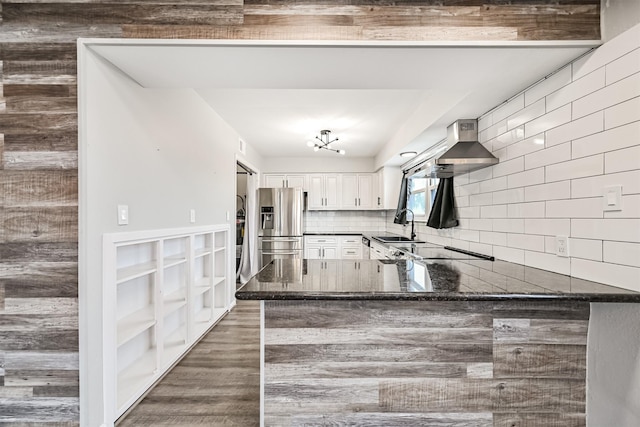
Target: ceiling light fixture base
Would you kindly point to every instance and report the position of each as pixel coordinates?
(325, 140)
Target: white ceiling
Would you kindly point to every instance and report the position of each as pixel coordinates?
(378, 98)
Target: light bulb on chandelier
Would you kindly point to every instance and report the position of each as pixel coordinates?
(324, 143)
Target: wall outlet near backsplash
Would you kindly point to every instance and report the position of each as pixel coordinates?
(562, 246)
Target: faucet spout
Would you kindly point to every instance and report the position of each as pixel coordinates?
(413, 232)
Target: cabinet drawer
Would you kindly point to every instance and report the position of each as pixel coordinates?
(321, 240)
(351, 240)
(351, 253)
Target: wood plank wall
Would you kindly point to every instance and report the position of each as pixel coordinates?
(38, 137)
(417, 363)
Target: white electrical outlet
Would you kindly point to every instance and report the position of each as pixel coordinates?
(192, 215)
(562, 246)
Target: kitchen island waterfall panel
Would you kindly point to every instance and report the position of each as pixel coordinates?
(463, 363)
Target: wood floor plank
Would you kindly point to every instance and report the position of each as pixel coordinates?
(217, 383)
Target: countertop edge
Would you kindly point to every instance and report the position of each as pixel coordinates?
(297, 296)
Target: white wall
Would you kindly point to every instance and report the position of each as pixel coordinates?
(560, 143)
(161, 152)
(333, 163)
(617, 16)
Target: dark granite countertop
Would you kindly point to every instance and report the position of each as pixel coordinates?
(440, 279)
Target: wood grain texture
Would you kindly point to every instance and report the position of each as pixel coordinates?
(39, 161)
(217, 383)
(414, 359)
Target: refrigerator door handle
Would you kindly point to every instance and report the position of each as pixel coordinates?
(281, 253)
(280, 240)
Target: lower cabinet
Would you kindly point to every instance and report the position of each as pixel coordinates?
(162, 291)
(333, 247)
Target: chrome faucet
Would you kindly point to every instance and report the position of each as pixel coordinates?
(413, 233)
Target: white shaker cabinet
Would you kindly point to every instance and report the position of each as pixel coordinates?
(324, 191)
(357, 191)
(285, 181)
(321, 247)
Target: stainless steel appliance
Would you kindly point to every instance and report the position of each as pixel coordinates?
(366, 247)
(279, 224)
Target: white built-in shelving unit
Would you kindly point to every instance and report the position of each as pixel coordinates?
(163, 290)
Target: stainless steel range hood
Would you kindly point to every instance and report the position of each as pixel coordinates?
(466, 153)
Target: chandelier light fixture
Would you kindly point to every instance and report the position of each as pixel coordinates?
(323, 142)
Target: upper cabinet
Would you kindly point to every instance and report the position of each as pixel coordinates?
(324, 192)
(285, 181)
(358, 191)
(388, 191)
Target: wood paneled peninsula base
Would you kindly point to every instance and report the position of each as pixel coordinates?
(446, 358)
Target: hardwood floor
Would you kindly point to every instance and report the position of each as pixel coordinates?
(217, 383)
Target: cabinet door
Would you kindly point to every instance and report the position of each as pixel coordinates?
(365, 191)
(313, 252)
(330, 252)
(349, 199)
(296, 181)
(332, 191)
(274, 181)
(315, 196)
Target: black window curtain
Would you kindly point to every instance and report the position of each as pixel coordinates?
(443, 212)
(401, 213)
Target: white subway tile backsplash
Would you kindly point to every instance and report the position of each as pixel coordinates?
(551, 191)
(480, 175)
(485, 121)
(467, 189)
(508, 167)
(550, 120)
(468, 235)
(622, 160)
(495, 184)
(527, 114)
(493, 211)
(622, 230)
(548, 156)
(526, 241)
(613, 274)
(462, 201)
(481, 248)
(623, 66)
(548, 227)
(575, 208)
(550, 244)
(612, 50)
(576, 90)
(507, 138)
(509, 254)
(584, 126)
(514, 195)
(526, 146)
(480, 224)
(609, 140)
(623, 113)
(622, 253)
(615, 93)
(585, 249)
(504, 111)
(481, 199)
(529, 177)
(526, 210)
(550, 84)
(498, 128)
(580, 168)
(509, 225)
(548, 262)
(593, 186)
(493, 238)
(469, 212)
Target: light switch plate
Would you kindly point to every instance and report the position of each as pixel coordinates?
(192, 215)
(123, 214)
(612, 198)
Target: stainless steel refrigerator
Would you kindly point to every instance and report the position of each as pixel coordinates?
(280, 224)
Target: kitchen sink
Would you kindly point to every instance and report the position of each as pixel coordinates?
(395, 239)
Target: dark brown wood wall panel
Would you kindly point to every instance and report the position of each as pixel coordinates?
(38, 152)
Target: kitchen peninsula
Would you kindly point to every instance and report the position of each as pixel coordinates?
(465, 342)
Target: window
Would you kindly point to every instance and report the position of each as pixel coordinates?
(421, 193)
